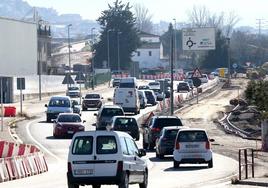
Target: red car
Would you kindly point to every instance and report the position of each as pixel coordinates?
(67, 124)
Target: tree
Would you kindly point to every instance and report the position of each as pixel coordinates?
(143, 19)
(118, 23)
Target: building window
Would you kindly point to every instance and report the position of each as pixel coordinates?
(150, 53)
(138, 53)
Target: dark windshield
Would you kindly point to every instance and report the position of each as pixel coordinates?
(127, 85)
(69, 118)
(171, 133)
(73, 88)
(92, 96)
(166, 122)
(112, 112)
(122, 122)
(59, 103)
(192, 136)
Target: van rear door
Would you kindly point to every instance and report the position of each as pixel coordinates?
(106, 155)
(82, 156)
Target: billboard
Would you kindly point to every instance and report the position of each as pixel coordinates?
(198, 39)
(18, 48)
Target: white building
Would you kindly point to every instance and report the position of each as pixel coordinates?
(150, 54)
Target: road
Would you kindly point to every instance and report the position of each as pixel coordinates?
(161, 173)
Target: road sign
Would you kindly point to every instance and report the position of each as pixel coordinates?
(20, 83)
(196, 82)
(198, 39)
(235, 65)
(80, 78)
(68, 79)
(197, 73)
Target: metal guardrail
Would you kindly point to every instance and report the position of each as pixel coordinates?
(247, 163)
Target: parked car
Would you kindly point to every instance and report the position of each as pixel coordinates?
(143, 87)
(204, 78)
(154, 85)
(76, 107)
(150, 96)
(155, 125)
(56, 105)
(105, 157)
(105, 115)
(126, 124)
(92, 100)
(116, 82)
(142, 98)
(164, 144)
(192, 146)
(67, 124)
(190, 82)
(183, 86)
(73, 91)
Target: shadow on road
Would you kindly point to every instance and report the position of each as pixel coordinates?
(61, 138)
(185, 168)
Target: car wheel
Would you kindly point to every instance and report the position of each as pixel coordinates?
(48, 119)
(161, 156)
(210, 164)
(70, 185)
(176, 164)
(96, 186)
(137, 137)
(124, 182)
(145, 180)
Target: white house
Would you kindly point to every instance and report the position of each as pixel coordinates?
(150, 54)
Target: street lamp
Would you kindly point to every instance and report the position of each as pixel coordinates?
(69, 51)
(118, 51)
(39, 24)
(92, 62)
(229, 62)
(175, 47)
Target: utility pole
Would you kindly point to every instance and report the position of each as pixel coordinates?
(171, 72)
(175, 46)
(229, 62)
(69, 53)
(118, 51)
(92, 62)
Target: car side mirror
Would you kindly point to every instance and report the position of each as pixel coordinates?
(142, 152)
(83, 97)
(45, 105)
(95, 114)
(84, 121)
(211, 140)
(101, 97)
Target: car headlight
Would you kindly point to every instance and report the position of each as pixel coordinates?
(81, 128)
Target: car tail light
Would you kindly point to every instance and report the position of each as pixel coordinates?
(120, 166)
(81, 128)
(155, 130)
(207, 145)
(69, 167)
(177, 145)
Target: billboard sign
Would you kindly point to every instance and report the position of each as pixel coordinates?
(198, 39)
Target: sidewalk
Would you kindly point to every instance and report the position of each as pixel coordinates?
(30, 109)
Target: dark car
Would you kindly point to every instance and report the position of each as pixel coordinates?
(76, 107)
(92, 100)
(105, 115)
(116, 82)
(143, 87)
(151, 98)
(164, 144)
(126, 124)
(154, 127)
(183, 86)
(67, 124)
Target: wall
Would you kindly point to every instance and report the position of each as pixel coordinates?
(150, 39)
(18, 47)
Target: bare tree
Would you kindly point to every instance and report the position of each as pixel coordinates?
(230, 22)
(199, 16)
(143, 18)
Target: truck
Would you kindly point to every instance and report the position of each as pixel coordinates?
(126, 96)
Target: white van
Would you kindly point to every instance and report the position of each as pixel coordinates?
(57, 105)
(105, 157)
(128, 99)
(129, 82)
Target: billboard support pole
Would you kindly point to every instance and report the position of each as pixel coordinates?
(21, 97)
(2, 106)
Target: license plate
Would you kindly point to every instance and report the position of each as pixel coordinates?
(84, 172)
(70, 132)
(191, 146)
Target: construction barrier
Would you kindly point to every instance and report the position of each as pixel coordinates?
(4, 176)
(10, 111)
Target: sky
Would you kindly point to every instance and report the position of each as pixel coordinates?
(167, 10)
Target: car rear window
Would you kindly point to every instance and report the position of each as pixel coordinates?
(69, 118)
(122, 122)
(110, 112)
(59, 103)
(82, 145)
(106, 145)
(127, 85)
(171, 133)
(166, 122)
(192, 136)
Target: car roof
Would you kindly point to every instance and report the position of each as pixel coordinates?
(171, 117)
(193, 129)
(102, 132)
(60, 97)
(69, 114)
(111, 106)
(174, 127)
(125, 117)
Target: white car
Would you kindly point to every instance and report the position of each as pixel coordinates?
(105, 157)
(143, 99)
(192, 146)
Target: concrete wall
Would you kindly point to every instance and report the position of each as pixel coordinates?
(18, 47)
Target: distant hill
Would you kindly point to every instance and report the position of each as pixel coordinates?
(19, 9)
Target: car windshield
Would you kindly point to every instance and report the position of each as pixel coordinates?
(182, 84)
(59, 103)
(154, 84)
(112, 112)
(92, 96)
(69, 118)
(166, 122)
(73, 88)
(192, 136)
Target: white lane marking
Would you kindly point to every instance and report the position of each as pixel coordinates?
(38, 143)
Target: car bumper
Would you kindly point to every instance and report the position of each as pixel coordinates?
(192, 157)
(66, 132)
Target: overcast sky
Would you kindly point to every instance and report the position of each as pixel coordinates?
(247, 10)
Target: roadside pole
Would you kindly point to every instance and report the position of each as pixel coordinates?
(21, 97)
(80, 93)
(2, 105)
(197, 95)
(171, 74)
